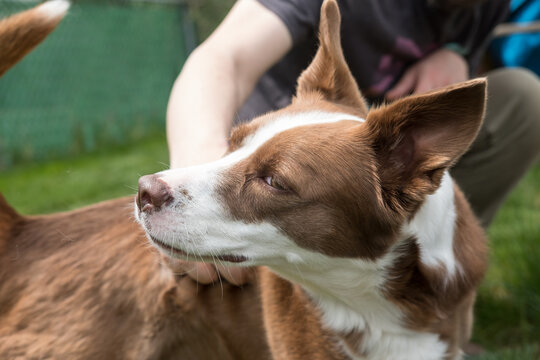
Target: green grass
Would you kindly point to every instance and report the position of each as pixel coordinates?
(508, 307)
(72, 183)
(103, 77)
(526, 352)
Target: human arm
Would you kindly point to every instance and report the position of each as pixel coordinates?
(217, 78)
(214, 83)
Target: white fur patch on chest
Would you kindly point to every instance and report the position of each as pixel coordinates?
(433, 226)
(400, 346)
(347, 292)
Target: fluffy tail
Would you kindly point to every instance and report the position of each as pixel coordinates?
(20, 33)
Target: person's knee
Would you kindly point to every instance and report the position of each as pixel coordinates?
(520, 88)
(516, 83)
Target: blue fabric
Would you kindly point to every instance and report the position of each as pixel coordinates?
(520, 49)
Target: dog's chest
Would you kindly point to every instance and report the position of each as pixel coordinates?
(374, 344)
(348, 299)
(326, 330)
(375, 330)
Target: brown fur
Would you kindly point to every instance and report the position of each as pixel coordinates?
(292, 323)
(328, 73)
(417, 138)
(431, 300)
(86, 285)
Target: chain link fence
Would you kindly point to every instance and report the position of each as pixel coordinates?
(103, 77)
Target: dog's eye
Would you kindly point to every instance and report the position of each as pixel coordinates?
(270, 180)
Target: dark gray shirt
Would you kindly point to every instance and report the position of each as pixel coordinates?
(380, 39)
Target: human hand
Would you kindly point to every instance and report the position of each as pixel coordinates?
(441, 68)
(205, 273)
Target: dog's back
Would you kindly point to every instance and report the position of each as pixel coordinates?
(85, 285)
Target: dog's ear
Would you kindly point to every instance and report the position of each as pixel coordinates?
(417, 138)
(328, 73)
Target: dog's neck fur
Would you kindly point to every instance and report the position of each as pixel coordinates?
(350, 292)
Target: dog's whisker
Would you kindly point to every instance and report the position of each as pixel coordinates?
(68, 238)
(300, 272)
(217, 271)
(131, 188)
(166, 166)
(218, 275)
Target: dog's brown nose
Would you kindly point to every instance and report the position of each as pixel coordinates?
(153, 192)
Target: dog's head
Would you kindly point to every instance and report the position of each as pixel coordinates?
(323, 175)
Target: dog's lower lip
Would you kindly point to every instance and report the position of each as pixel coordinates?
(232, 258)
(168, 247)
(228, 258)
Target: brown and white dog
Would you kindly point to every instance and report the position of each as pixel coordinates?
(369, 250)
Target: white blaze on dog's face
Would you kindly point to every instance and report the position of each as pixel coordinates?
(288, 183)
(315, 178)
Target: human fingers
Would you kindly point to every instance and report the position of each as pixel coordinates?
(235, 275)
(405, 85)
(428, 82)
(200, 272)
(204, 273)
(440, 69)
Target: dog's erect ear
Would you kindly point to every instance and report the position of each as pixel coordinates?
(328, 73)
(416, 138)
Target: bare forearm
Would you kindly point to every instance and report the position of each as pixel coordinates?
(201, 109)
(217, 79)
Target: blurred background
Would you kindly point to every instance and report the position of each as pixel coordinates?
(83, 116)
(97, 87)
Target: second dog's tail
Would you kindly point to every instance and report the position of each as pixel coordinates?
(20, 33)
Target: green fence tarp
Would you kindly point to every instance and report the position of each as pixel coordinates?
(103, 77)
